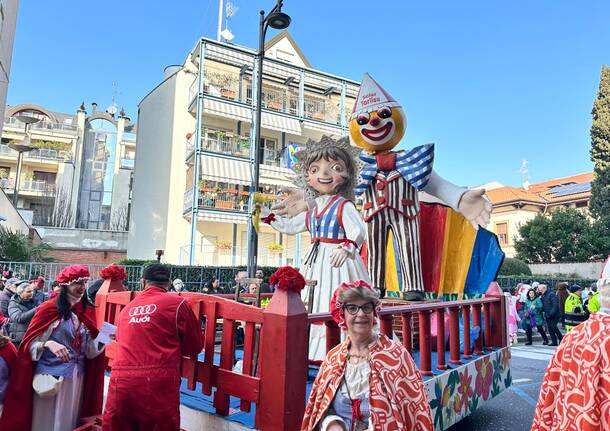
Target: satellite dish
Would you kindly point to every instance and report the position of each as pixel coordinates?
(227, 35)
(112, 109)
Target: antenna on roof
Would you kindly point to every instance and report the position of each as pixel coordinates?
(113, 108)
(230, 11)
(524, 171)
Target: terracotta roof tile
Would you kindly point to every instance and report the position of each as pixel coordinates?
(538, 193)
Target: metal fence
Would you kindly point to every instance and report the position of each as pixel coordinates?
(507, 283)
(195, 278)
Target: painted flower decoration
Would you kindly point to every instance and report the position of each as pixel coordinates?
(287, 278)
(464, 392)
(506, 359)
(113, 273)
(485, 373)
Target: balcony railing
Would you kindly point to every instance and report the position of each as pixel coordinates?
(38, 186)
(235, 146)
(225, 200)
(37, 153)
(128, 163)
(41, 125)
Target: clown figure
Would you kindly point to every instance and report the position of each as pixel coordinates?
(327, 170)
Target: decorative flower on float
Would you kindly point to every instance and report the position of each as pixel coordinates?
(113, 273)
(288, 279)
(464, 392)
(485, 373)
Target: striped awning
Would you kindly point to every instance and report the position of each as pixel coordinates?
(225, 170)
(226, 110)
(280, 123)
(223, 217)
(335, 131)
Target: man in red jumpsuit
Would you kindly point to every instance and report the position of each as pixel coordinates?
(155, 330)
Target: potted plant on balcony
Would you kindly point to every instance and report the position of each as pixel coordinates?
(274, 104)
(223, 246)
(275, 248)
(243, 144)
(225, 82)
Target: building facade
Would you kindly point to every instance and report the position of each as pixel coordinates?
(179, 182)
(8, 24)
(75, 177)
(514, 206)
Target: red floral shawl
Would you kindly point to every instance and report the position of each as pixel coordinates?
(17, 413)
(575, 393)
(397, 396)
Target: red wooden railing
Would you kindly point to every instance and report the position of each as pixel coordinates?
(275, 346)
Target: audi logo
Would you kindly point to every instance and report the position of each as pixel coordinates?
(142, 310)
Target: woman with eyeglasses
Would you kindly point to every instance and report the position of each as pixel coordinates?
(368, 381)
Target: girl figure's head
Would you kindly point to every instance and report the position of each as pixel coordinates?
(328, 167)
(531, 294)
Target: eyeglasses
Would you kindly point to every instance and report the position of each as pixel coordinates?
(353, 308)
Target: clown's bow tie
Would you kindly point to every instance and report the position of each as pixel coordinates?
(414, 165)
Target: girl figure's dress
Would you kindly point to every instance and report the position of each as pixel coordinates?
(334, 222)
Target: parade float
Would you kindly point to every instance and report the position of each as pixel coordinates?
(435, 263)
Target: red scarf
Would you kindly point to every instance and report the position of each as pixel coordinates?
(17, 412)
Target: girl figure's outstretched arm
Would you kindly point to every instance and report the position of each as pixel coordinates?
(289, 226)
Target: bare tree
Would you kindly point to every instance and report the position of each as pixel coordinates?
(119, 219)
(62, 212)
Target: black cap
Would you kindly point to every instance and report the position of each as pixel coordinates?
(156, 272)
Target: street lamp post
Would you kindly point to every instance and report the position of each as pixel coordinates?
(22, 147)
(278, 20)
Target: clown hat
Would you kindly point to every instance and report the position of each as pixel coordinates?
(371, 97)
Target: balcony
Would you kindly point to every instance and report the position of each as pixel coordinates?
(216, 141)
(321, 100)
(42, 125)
(28, 185)
(225, 199)
(37, 153)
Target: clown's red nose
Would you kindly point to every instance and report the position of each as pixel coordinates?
(374, 121)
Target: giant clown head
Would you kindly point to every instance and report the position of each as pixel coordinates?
(377, 122)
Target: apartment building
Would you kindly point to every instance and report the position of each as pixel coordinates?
(298, 102)
(514, 206)
(76, 170)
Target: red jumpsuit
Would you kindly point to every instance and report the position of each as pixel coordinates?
(154, 331)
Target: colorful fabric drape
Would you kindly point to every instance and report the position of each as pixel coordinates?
(456, 258)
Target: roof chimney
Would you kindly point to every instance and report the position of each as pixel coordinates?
(94, 108)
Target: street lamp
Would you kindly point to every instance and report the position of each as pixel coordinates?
(22, 147)
(278, 20)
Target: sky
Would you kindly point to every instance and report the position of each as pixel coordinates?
(491, 83)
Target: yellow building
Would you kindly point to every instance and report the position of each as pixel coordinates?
(299, 103)
(514, 206)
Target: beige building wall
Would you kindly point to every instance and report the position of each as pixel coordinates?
(8, 23)
(512, 219)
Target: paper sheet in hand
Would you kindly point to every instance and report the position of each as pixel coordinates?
(106, 330)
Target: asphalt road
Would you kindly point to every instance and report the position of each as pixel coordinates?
(513, 409)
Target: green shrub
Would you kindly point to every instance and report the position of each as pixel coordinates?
(512, 266)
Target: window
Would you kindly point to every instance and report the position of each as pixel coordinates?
(583, 204)
(502, 232)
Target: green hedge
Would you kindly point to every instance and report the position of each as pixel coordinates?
(512, 266)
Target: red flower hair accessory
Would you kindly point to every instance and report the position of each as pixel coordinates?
(113, 273)
(287, 278)
(73, 274)
(336, 306)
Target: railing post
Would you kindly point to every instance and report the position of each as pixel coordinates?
(425, 350)
(101, 298)
(283, 362)
(385, 323)
(441, 362)
(407, 336)
(466, 320)
(476, 321)
(487, 326)
(333, 334)
(498, 322)
(454, 336)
